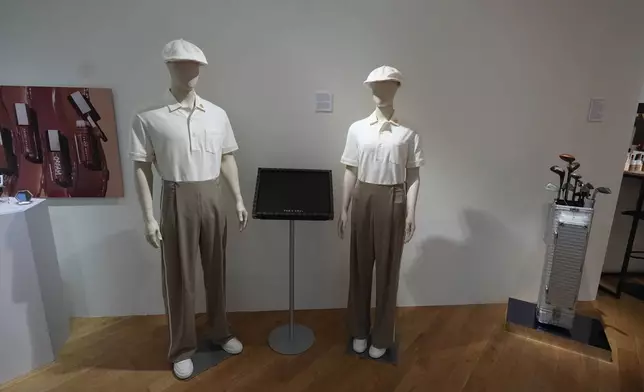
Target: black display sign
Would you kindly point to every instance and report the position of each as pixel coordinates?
(293, 194)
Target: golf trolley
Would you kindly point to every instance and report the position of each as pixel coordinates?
(569, 222)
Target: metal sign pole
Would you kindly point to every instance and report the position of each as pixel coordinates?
(293, 338)
(291, 277)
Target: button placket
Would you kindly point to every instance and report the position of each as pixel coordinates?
(192, 134)
(383, 137)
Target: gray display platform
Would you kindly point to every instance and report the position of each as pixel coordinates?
(586, 337)
(390, 357)
(208, 355)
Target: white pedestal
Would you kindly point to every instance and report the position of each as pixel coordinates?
(34, 318)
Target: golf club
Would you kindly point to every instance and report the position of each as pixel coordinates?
(587, 194)
(576, 177)
(571, 169)
(601, 189)
(561, 173)
(565, 189)
(567, 158)
(584, 192)
(580, 185)
(552, 187)
(570, 160)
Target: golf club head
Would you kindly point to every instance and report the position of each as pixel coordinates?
(557, 170)
(604, 190)
(567, 158)
(575, 176)
(590, 186)
(573, 167)
(552, 187)
(601, 189)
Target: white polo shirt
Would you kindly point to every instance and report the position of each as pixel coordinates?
(382, 150)
(185, 144)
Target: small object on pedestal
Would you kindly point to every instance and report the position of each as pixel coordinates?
(23, 197)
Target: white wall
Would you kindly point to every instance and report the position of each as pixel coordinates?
(496, 89)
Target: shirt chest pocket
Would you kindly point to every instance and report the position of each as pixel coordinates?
(213, 139)
(395, 153)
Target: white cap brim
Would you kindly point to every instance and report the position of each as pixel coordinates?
(368, 81)
(172, 60)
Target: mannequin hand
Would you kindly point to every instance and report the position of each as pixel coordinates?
(342, 224)
(410, 228)
(153, 233)
(242, 215)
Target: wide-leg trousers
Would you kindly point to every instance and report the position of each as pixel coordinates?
(377, 236)
(192, 220)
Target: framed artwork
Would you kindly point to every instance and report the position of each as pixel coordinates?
(59, 142)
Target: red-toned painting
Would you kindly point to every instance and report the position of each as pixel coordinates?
(59, 142)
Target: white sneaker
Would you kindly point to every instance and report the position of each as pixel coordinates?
(233, 346)
(183, 369)
(359, 345)
(376, 353)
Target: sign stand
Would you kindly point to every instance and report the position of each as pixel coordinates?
(293, 194)
(291, 338)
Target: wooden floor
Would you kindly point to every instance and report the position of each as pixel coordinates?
(461, 348)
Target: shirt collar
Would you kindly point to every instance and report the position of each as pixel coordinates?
(373, 119)
(173, 105)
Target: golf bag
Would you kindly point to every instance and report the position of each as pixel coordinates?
(566, 239)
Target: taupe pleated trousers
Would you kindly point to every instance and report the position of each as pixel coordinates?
(377, 236)
(193, 220)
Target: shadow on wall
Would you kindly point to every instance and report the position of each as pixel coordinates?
(451, 272)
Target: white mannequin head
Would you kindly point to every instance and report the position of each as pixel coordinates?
(184, 60)
(184, 74)
(384, 92)
(384, 83)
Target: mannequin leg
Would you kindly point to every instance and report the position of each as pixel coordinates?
(389, 234)
(180, 230)
(361, 264)
(212, 243)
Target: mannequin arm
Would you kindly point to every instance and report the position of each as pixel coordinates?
(350, 178)
(231, 174)
(143, 180)
(413, 185)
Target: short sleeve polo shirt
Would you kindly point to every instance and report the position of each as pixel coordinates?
(185, 144)
(382, 150)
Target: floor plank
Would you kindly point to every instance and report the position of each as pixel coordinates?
(450, 348)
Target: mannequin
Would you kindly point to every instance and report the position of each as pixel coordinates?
(190, 141)
(381, 183)
(184, 77)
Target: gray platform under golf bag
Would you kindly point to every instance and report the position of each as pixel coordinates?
(566, 240)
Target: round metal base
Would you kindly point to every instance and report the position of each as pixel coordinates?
(279, 340)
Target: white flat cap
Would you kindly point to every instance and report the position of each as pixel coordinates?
(384, 73)
(182, 50)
